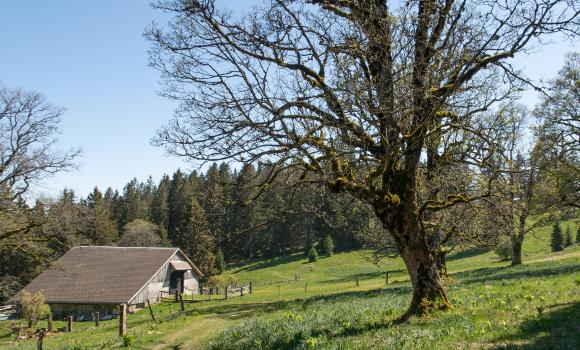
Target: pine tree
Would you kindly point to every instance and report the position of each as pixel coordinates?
(328, 246)
(308, 246)
(557, 238)
(312, 255)
(197, 241)
(220, 261)
(568, 241)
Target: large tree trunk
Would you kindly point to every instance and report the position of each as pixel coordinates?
(516, 250)
(518, 239)
(428, 286)
(441, 263)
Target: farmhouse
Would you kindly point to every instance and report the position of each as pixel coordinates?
(88, 279)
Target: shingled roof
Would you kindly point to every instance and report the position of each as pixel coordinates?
(101, 275)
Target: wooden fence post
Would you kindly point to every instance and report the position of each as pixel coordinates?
(357, 280)
(278, 289)
(305, 286)
(40, 339)
(96, 318)
(250, 287)
(181, 302)
(49, 325)
(226, 292)
(176, 297)
(150, 310)
(69, 320)
(387, 277)
(122, 319)
(242, 290)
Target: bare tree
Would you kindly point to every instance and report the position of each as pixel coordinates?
(28, 153)
(368, 96)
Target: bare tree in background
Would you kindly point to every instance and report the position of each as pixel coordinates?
(28, 154)
(369, 96)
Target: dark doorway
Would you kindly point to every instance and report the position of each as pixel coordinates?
(176, 281)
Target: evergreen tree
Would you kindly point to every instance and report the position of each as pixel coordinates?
(196, 240)
(99, 225)
(328, 246)
(308, 246)
(568, 241)
(220, 261)
(557, 238)
(178, 201)
(312, 255)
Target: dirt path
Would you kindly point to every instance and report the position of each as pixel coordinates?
(193, 333)
(553, 258)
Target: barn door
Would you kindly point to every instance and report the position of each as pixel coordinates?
(176, 282)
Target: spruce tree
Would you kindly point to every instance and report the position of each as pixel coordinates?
(220, 261)
(307, 246)
(557, 238)
(568, 241)
(312, 255)
(328, 246)
(197, 241)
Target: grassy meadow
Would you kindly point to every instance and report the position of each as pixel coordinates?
(533, 306)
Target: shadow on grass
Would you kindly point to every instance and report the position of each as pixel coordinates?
(506, 273)
(467, 253)
(242, 310)
(556, 329)
(262, 264)
(363, 276)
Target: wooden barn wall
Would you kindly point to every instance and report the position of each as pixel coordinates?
(159, 285)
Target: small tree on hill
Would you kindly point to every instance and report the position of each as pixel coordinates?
(568, 241)
(328, 246)
(312, 255)
(220, 261)
(33, 307)
(557, 238)
(307, 246)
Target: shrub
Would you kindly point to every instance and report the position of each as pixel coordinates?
(33, 307)
(504, 249)
(127, 340)
(312, 255)
(328, 246)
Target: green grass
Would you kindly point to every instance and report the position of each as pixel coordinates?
(536, 305)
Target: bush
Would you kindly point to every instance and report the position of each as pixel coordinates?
(328, 246)
(312, 255)
(504, 249)
(33, 307)
(127, 340)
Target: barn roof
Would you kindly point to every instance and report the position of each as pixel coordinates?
(101, 275)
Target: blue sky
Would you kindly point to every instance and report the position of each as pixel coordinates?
(91, 58)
